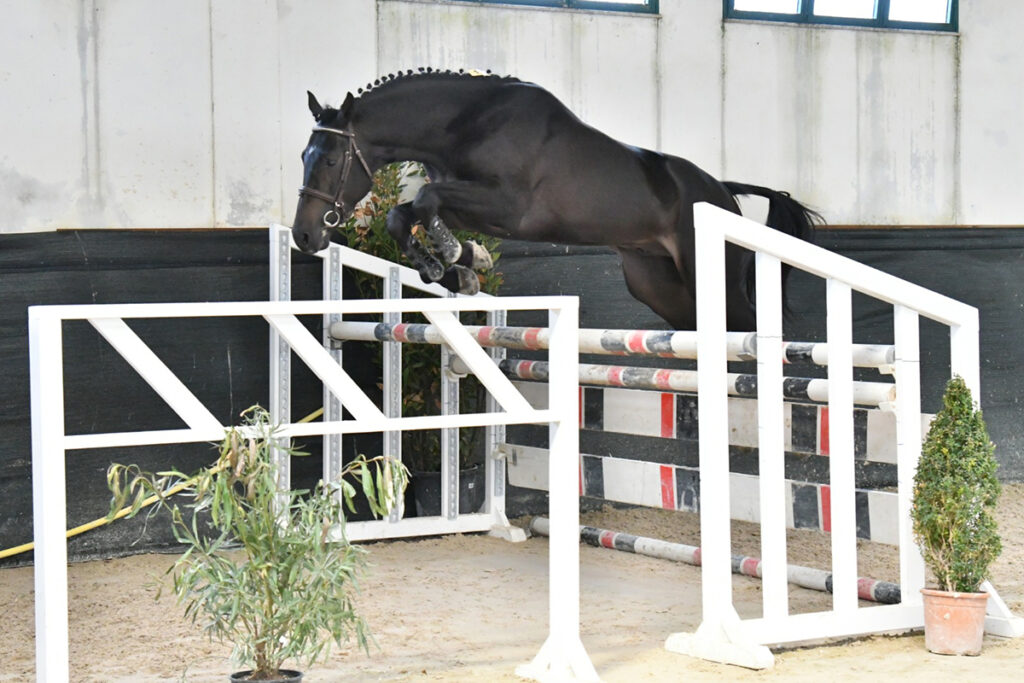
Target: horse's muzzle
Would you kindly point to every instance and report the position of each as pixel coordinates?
(310, 241)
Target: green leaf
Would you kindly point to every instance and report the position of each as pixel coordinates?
(368, 487)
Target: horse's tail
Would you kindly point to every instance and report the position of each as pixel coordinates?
(785, 214)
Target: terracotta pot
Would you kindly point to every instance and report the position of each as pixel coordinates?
(954, 623)
(287, 676)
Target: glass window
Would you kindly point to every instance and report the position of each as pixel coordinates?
(775, 6)
(854, 9)
(646, 6)
(931, 15)
(926, 11)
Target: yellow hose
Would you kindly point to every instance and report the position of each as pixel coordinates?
(102, 521)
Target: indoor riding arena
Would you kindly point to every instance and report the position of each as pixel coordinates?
(499, 340)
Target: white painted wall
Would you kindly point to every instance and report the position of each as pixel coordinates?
(860, 124)
(991, 104)
(192, 114)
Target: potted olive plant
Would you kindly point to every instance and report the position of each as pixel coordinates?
(421, 368)
(272, 573)
(955, 494)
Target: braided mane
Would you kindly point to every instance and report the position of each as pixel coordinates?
(385, 82)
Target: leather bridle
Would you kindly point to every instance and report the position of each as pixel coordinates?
(352, 152)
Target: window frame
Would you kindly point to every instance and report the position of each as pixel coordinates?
(649, 7)
(881, 20)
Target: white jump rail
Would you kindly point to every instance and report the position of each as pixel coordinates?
(561, 653)
(722, 635)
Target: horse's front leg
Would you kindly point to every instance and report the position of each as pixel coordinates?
(468, 254)
(399, 223)
(464, 202)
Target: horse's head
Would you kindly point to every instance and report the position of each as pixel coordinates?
(335, 176)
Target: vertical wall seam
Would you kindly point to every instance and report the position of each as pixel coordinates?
(958, 212)
(213, 119)
(658, 85)
(859, 80)
(723, 72)
(88, 56)
(280, 110)
(98, 168)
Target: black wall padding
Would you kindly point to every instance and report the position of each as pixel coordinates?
(224, 361)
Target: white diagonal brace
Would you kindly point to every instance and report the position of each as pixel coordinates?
(323, 365)
(999, 620)
(481, 364)
(171, 389)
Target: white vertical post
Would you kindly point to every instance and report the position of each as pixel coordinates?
(495, 436)
(280, 403)
(964, 356)
(449, 436)
(563, 396)
(49, 504)
(720, 636)
(841, 456)
(332, 291)
(562, 655)
(906, 328)
(770, 439)
(713, 418)
(392, 378)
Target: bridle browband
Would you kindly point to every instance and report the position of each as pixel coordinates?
(352, 152)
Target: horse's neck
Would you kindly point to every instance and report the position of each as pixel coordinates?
(409, 123)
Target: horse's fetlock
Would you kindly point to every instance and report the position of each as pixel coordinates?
(443, 241)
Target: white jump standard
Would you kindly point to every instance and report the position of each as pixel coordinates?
(562, 653)
(722, 635)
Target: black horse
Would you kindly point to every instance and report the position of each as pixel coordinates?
(507, 159)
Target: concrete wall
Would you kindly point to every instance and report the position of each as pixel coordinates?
(165, 115)
(192, 113)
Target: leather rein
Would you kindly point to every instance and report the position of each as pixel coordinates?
(333, 217)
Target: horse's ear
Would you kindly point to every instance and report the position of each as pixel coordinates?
(314, 107)
(346, 106)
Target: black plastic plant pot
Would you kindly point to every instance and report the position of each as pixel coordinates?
(426, 487)
(286, 676)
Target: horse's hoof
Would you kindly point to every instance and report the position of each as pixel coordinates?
(461, 280)
(431, 272)
(480, 257)
(469, 283)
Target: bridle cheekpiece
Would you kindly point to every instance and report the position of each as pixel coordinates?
(333, 217)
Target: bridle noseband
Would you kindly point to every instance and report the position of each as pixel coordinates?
(351, 152)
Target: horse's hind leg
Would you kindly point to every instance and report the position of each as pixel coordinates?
(400, 221)
(655, 281)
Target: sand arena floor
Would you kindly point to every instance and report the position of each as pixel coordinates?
(471, 608)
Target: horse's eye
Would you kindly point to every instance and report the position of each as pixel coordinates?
(332, 162)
